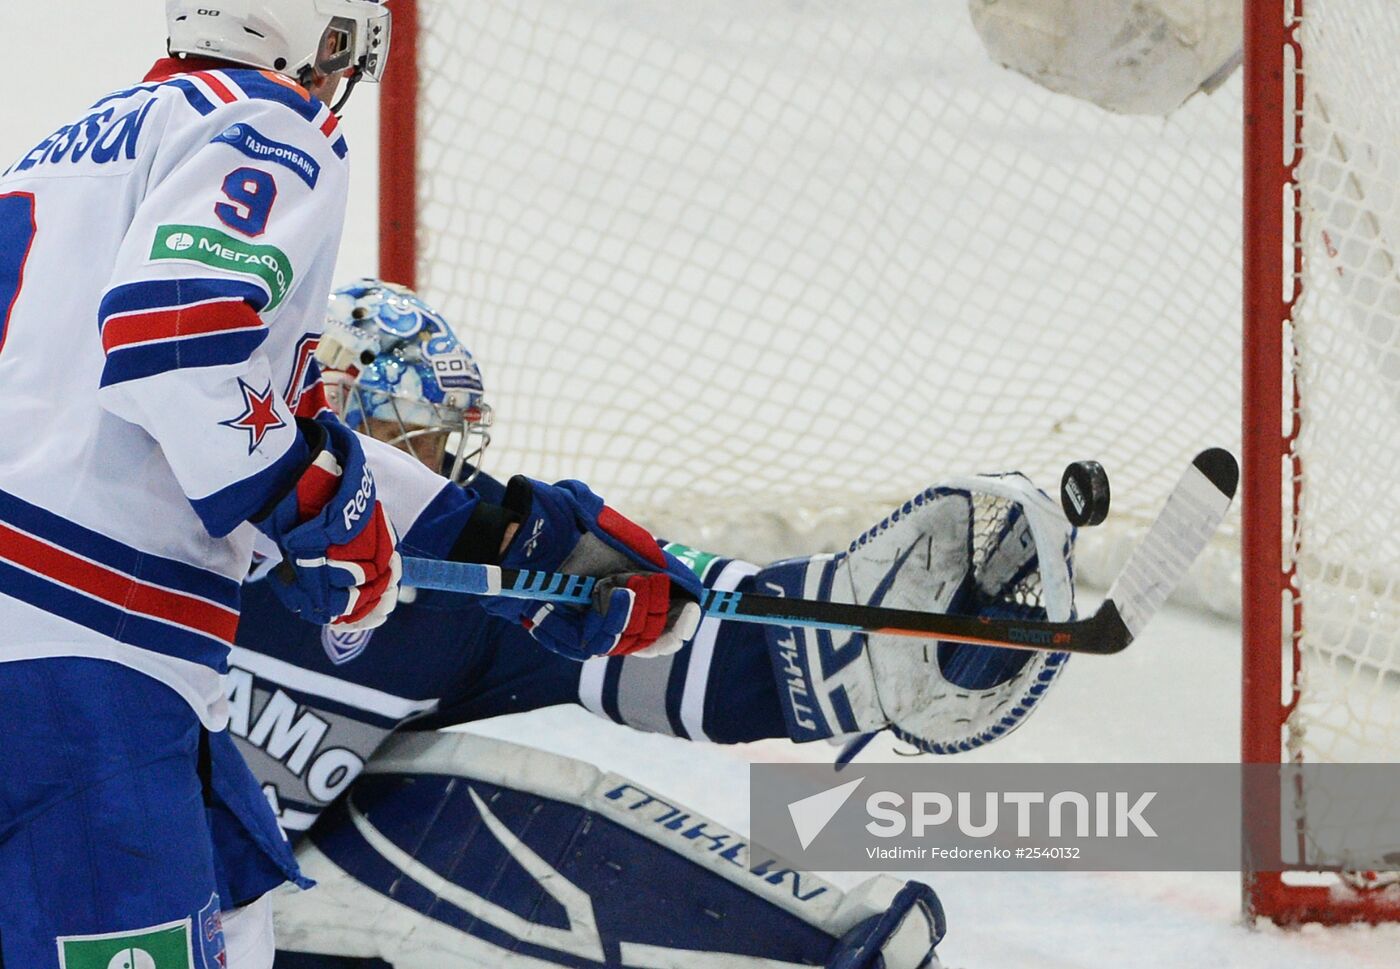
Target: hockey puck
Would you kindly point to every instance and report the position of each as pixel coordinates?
(1084, 493)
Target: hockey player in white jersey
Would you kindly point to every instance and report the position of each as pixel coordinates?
(162, 264)
(164, 260)
(410, 855)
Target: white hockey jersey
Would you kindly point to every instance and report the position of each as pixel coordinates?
(164, 267)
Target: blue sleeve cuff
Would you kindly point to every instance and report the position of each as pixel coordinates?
(229, 507)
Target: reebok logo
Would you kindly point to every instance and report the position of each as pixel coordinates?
(358, 503)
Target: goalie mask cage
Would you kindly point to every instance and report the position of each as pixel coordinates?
(759, 270)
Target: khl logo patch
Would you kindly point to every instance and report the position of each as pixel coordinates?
(342, 647)
(159, 947)
(259, 415)
(210, 928)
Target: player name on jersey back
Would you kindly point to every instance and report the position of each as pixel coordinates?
(164, 265)
(99, 139)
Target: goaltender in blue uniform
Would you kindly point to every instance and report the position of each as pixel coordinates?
(443, 848)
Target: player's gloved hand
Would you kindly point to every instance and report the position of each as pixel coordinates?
(646, 602)
(340, 567)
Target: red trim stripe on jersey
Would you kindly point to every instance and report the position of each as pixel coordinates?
(121, 590)
(155, 326)
(252, 85)
(219, 85)
(214, 316)
(313, 403)
(226, 84)
(123, 593)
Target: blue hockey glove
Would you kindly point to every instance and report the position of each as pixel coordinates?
(340, 566)
(646, 602)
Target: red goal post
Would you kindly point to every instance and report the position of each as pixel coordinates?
(1320, 659)
(398, 132)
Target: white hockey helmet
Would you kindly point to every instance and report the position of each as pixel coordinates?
(290, 37)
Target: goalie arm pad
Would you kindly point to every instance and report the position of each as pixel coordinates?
(718, 688)
(992, 545)
(460, 850)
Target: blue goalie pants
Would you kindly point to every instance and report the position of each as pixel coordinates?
(122, 822)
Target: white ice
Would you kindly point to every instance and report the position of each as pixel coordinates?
(1174, 696)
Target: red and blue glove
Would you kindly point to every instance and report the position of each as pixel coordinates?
(646, 602)
(340, 567)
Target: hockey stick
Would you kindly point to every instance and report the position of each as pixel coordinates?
(1190, 517)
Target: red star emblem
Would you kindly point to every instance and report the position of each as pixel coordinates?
(259, 415)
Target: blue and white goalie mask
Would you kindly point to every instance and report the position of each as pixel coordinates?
(394, 369)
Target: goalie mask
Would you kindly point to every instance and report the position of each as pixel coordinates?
(394, 369)
(295, 38)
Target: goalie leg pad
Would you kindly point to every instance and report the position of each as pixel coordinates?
(987, 545)
(899, 936)
(454, 850)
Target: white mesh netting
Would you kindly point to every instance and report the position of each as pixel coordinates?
(759, 270)
(1346, 338)
(748, 267)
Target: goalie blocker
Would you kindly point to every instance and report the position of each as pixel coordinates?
(457, 850)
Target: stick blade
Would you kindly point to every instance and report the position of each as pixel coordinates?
(1220, 468)
(1188, 521)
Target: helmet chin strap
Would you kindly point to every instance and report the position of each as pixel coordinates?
(350, 83)
(307, 79)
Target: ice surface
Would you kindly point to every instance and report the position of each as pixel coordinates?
(1173, 696)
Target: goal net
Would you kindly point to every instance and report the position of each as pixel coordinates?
(758, 271)
(1322, 592)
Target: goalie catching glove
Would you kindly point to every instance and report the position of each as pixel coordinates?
(978, 546)
(645, 603)
(340, 567)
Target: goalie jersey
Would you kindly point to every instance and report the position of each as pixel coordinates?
(164, 265)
